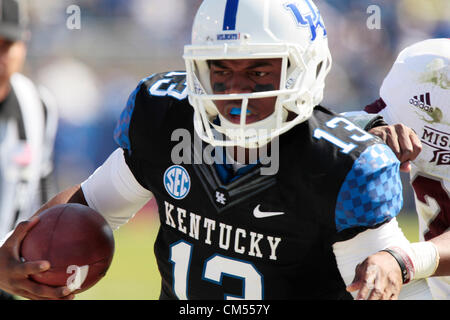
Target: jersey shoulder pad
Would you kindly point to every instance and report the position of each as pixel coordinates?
(368, 184)
(336, 134)
(150, 106)
(371, 193)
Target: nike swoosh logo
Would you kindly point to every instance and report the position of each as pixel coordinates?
(259, 214)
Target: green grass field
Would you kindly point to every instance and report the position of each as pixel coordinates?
(133, 274)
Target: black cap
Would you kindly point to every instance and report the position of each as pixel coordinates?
(13, 20)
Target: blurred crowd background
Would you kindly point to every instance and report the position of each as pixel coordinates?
(92, 70)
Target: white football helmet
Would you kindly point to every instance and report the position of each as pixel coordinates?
(257, 29)
(420, 71)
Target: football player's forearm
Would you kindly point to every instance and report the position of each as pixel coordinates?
(71, 195)
(430, 258)
(351, 253)
(442, 243)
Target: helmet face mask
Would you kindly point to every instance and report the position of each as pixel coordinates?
(304, 65)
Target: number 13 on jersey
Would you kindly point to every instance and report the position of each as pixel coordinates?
(345, 147)
(215, 268)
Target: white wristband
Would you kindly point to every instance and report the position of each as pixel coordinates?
(425, 257)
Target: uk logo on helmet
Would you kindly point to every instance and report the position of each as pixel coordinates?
(307, 15)
(177, 182)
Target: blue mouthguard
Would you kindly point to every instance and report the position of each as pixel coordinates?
(237, 111)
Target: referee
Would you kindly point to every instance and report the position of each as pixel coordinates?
(28, 123)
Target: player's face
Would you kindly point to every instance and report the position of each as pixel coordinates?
(12, 57)
(245, 76)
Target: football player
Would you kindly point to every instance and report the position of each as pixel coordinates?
(28, 123)
(229, 229)
(416, 92)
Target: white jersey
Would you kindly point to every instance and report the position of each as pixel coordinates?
(416, 92)
(430, 176)
(27, 133)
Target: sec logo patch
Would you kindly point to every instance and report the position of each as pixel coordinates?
(177, 182)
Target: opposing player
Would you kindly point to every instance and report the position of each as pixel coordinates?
(234, 225)
(417, 92)
(28, 122)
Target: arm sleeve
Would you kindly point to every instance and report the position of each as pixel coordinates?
(351, 252)
(113, 191)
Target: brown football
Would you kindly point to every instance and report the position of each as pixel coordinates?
(76, 240)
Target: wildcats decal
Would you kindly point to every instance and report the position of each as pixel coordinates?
(307, 15)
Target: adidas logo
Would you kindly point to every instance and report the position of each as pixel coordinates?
(423, 102)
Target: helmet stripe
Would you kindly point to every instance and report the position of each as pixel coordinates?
(229, 22)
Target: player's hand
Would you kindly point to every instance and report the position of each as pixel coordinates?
(377, 278)
(14, 275)
(403, 141)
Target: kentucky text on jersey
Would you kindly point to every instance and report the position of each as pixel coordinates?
(245, 242)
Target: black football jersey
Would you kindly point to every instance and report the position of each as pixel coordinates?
(255, 236)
